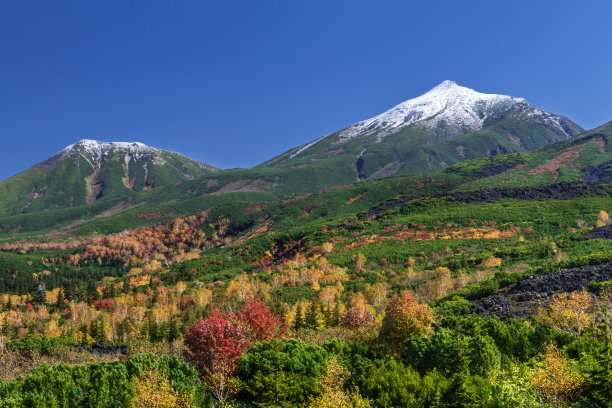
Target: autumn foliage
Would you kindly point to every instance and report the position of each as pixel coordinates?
(555, 380)
(404, 317)
(216, 342)
(152, 390)
(570, 313)
(260, 323)
(355, 317)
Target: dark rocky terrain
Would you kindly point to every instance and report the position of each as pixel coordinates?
(600, 232)
(601, 173)
(557, 191)
(101, 349)
(524, 298)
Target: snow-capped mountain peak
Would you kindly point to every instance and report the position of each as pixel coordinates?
(457, 106)
(95, 146)
(95, 151)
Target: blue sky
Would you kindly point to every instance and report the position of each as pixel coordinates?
(233, 83)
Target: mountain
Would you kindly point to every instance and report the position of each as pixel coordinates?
(448, 124)
(89, 170)
(586, 158)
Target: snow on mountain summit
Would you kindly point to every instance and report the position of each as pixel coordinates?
(95, 146)
(448, 102)
(94, 151)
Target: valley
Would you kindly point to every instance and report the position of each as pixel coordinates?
(453, 251)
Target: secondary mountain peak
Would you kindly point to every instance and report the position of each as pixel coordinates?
(90, 170)
(90, 145)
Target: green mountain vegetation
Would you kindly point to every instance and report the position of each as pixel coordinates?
(415, 150)
(89, 171)
(485, 283)
(581, 159)
(448, 124)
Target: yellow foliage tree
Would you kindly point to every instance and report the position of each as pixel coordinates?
(376, 294)
(569, 313)
(327, 247)
(240, 289)
(328, 294)
(554, 379)
(202, 297)
(491, 262)
(359, 260)
(152, 390)
(332, 394)
(603, 218)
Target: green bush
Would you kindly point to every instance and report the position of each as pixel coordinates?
(281, 373)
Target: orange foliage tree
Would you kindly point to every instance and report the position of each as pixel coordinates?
(404, 317)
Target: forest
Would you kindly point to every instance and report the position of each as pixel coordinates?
(398, 307)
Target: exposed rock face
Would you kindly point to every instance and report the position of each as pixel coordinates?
(558, 191)
(524, 298)
(600, 233)
(601, 173)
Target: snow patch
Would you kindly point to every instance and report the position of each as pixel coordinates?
(94, 150)
(304, 147)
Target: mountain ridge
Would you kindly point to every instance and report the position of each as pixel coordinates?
(447, 110)
(440, 128)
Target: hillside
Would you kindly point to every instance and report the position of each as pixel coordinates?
(584, 158)
(476, 283)
(377, 283)
(448, 124)
(88, 171)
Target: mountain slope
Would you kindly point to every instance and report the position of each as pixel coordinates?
(585, 158)
(88, 171)
(448, 124)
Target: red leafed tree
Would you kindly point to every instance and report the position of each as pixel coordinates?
(404, 317)
(355, 318)
(216, 342)
(261, 324)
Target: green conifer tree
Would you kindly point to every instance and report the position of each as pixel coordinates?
(298, 322)
(312, 322)
(173, 331)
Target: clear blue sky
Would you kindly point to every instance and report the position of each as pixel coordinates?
(233, 83)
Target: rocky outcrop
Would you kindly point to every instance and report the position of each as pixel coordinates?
(600, 232)
(601, 173)
(527, 296)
